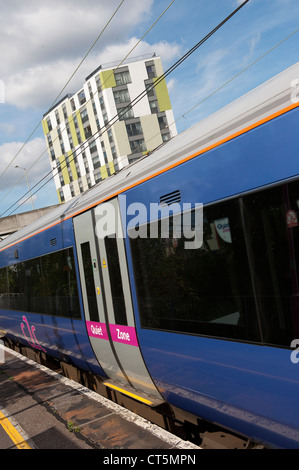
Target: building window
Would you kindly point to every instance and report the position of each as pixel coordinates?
(84, 115)
(102, 104)
(134, 129)
(57, 118)
(98, 177)
(64, 111)
(49, 124)
(90, 90)
(154, 107)
(98, 83)
(165, 137)
(125, 114)
(110, 135)
(93, 146)
(162, 122)
(138, 145)
(96, 162)
(88, 132)
(122, 78)
(81, 97)
(151, 71)
(121, 96)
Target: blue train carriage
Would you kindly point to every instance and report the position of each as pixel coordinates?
(207, 327)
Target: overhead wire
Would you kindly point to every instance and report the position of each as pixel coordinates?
(66, 84)
(144, 93)
(228, 82)
(71, 117)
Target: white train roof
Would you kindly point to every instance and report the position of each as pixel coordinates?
(258, 104)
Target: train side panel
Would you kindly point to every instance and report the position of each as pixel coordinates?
(249, 386)
(62, 336)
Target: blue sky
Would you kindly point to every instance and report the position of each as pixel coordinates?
(43, 42)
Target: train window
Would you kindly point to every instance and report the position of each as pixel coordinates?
(89, 282)
(3, 287)
(115, 281)
(60, 285)
(200, 291)
(273, 233)
(42, 285)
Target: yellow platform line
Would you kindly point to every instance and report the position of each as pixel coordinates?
(15, 436)
(130, 394)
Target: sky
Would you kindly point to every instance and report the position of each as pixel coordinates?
(42, 43)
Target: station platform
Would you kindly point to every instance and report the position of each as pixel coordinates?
(42, 409)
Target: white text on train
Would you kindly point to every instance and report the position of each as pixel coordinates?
(122, 335)
(97, 330)
(184, 220)
(294, 358)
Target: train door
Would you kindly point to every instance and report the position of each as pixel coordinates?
(107, 299)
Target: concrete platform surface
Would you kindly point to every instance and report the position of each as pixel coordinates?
(53, 412)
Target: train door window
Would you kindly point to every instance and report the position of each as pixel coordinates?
(199, 291)
(33, 283)
(115, 281)
(89, 282)
(3, 288)
(15, 274)
(60, 284)
(292, 220)
(265, 215)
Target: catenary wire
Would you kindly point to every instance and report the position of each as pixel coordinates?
(210, 95)
(139, 97)
(60, 93)
(40, 156)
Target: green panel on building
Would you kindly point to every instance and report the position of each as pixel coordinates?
(162, 95)
(107, 79)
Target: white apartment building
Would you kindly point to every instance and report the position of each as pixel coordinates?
(94, 133)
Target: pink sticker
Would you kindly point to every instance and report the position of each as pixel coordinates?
(97, 330)
(124, 334)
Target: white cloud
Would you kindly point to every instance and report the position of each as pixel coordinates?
(45, 43)
(15, 177)
(39, 86)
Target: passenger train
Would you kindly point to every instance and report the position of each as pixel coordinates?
(211, 328)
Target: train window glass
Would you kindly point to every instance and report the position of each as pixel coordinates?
(60, 284)
(42, 285)
(89, 282)
(115, 281)
(265, 214)
(15, 274)
(200, 291)
(3, 288)
(292, 221)
(33, 294)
